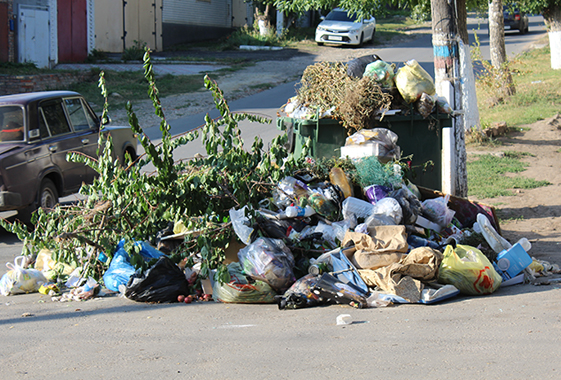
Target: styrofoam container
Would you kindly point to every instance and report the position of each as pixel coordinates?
(512, 261)
(363, 150)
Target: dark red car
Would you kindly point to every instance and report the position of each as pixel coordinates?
(37, 130)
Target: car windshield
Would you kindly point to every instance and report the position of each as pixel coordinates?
(340, 16)
(11, 124)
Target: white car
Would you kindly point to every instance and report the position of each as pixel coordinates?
(340, 28)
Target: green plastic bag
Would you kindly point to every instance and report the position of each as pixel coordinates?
(469, 270)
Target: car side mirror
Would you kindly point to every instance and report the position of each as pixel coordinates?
(34, 134)
(322, 18)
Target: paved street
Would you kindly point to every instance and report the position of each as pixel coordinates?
(512, 334)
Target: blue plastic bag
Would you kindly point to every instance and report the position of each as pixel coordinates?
(120, 269)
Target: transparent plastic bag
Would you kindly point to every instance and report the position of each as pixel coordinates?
(268, 260)
(240, 290)
(469, 270)
(382, 72)
(437, 210)
(19, 280)
(386, 212)
(240, 223)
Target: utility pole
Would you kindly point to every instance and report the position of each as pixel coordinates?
(447, 83)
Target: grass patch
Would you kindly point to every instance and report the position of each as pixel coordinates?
(131, 86)
(12, 68)
(538, 92)
(487, 175)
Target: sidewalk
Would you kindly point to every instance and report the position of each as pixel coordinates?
(159, 68)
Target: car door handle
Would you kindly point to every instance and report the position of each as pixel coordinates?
(52, 148)
(85, 141)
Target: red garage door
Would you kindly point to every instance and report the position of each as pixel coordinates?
(72, 30)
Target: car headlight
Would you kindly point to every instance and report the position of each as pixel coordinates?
(321, 28)
(354, 31)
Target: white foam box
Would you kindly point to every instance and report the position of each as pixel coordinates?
(363, 150)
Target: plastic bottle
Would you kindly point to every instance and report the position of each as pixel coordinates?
(323, 206)
(525, 244)
(338, 177)
(297, 211)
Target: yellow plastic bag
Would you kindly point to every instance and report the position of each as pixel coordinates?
(469, 270)
(19, 280)
(50, 267)
(412, 80)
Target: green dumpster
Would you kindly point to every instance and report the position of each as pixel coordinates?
(327, 136)
(419, 137)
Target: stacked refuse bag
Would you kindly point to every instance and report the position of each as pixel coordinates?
(365, 241)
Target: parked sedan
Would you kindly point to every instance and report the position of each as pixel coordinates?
(515, 20)
(340, 28)
(37, 130)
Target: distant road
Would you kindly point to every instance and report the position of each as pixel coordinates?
(268, 102)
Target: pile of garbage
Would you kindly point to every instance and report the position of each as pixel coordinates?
(365, 240)
(363, 89)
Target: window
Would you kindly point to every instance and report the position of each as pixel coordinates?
(77, 114)
(55, 118)
(11, 123)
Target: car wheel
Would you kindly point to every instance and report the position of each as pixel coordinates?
(48, 195)
(372, 36)
(129, 152)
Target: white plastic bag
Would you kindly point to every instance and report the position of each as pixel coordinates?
(19, 280)
(240, 222)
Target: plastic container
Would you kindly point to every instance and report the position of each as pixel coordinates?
(338, 177)
(297, 211)
(512, 261)
(357, 208)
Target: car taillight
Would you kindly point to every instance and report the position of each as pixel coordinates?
(517, 17)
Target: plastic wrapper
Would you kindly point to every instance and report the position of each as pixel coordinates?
(268, 260)
(410, 204)
(443, 105)
(437, 210)
(300, 294)
(412, 80)
(19, 280)
(241, 290)
(382, 72)
(425, 104)
(386, 212)
(163, 282)
(383, 135)
(469, 270)
(241, 224)
(330, 288)
(374, 193)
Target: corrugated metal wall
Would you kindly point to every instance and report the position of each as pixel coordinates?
(198, 12)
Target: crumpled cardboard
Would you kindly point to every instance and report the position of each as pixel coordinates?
(404, 278)
(383, 246)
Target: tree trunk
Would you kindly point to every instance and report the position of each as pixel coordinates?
(552, 17)
(469, 94)
(497, 47)
(446, 73)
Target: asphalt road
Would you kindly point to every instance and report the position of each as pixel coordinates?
(512, 334)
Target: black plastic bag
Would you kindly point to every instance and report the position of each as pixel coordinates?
(355, 67)
(163, 282)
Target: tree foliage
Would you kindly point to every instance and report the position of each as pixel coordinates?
(132, 203)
